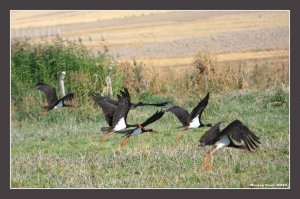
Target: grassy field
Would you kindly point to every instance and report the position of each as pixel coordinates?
(241, 57)
(62, 149)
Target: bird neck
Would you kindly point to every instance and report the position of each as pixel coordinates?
(206, 125)
(132, 125)
(146, 130)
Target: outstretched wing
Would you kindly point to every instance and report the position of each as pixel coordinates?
(149, 104)
(210, 136)
(107, 107)
(68, 97)
(49, 91)
(239, 132)
(153, 118)
(199, 108)
(111, 101)
(180, 113)
(122, 108)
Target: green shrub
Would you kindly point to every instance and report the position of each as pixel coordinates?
(44, 62)
(279, 98)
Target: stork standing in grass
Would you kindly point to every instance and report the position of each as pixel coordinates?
(235, 135)
(53, 101)
(141, 129)
(192, 120)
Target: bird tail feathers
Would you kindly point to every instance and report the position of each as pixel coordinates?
(105, 128)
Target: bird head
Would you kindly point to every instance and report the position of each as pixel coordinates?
(202, 141)
(209, 135)
(209, 125)
(134, 105)
(201, 144)
(149, 130)
(39, 84)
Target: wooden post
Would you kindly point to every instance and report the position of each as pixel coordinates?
(110, 83)
(107, 89)
(62, 83)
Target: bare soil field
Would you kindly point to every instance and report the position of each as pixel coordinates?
(167, 39)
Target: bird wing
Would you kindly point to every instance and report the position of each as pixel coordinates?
(199, 108)
(180, 113)
(49, 91)
(122, 108)
(151, 104)
(111, 101)
(239, 132)
(153, 118)
(108, 108)
(209, 137)
(68, 97)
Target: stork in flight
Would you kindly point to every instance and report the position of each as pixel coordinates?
(53, 101)
(189, 120)
(141, 129)
(235, 135)
(115, 114)
(101, 100)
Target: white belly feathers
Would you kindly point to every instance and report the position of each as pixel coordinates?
(121, 125)
(195, 122)
(59, 105)
(224, 141)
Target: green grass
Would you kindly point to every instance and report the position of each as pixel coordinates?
(62, 149)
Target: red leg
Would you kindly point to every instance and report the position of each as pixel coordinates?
(43, 113)
(103, 135)
(124, 141)
(181, 134)
(106, 137)
(205, 162)
(212, 158)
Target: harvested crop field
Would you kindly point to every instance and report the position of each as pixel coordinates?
(163, 35)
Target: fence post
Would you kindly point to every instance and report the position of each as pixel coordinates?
(108, 84)
(62, 83)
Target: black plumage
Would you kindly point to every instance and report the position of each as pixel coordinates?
(134, 105)
(114, 110)
(115, 114)
(52, 100)
(123, 102)
(98, 98)
(108, 107)
(235, 135)
(141, 129)
(122, 108)
(192, 120)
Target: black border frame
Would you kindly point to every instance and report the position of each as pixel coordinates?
(8, 5)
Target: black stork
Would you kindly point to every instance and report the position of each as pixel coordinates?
(113, 103)
(235, 135)
(192, 120)
(115, 115)
(53, 101)
(141, 129)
